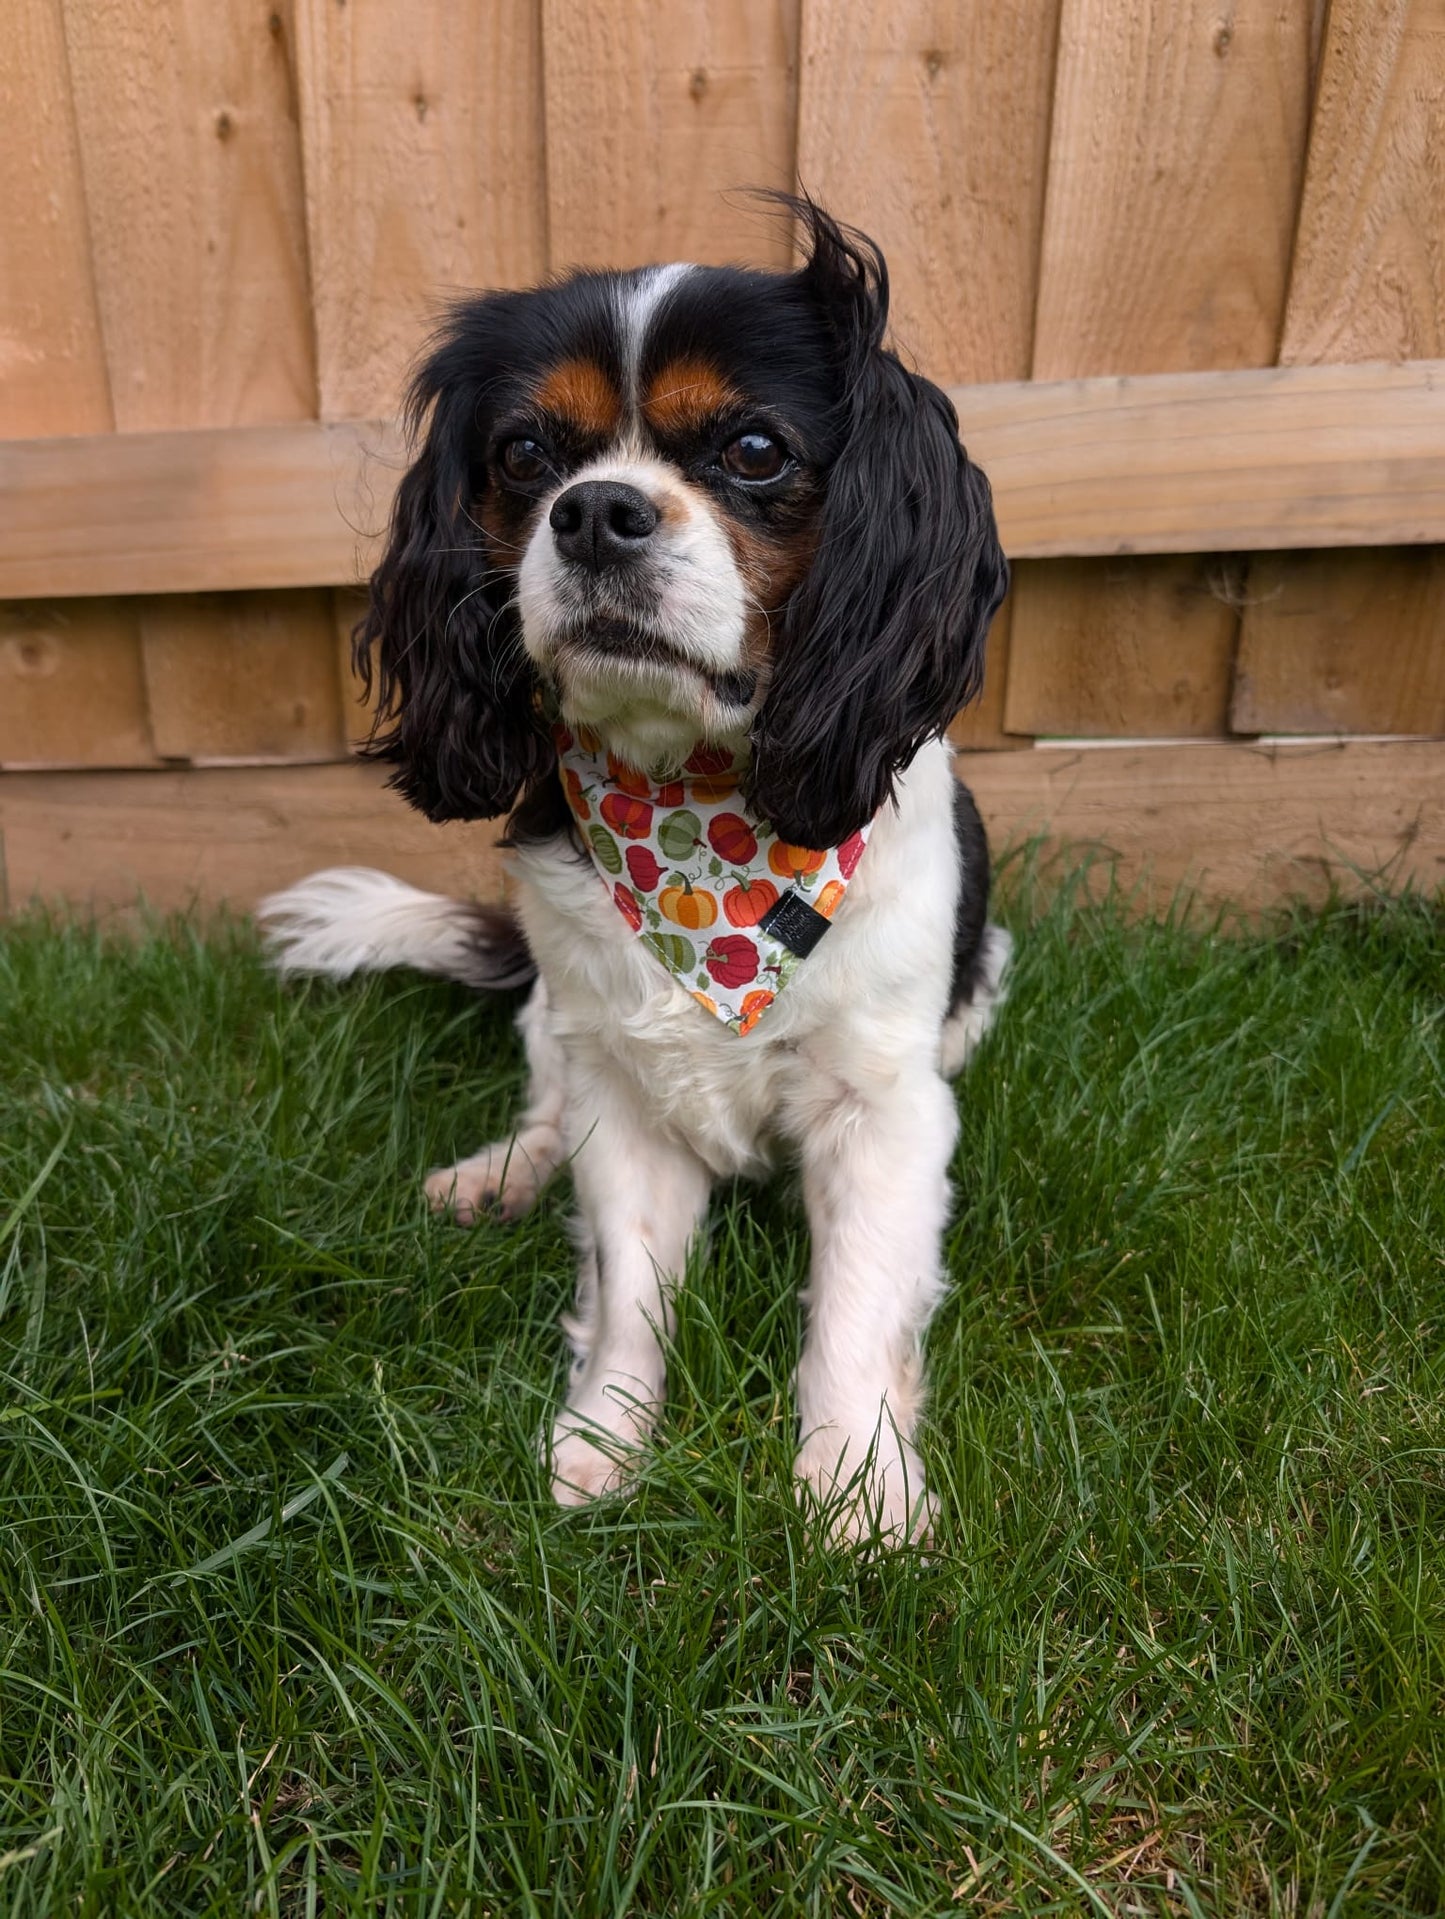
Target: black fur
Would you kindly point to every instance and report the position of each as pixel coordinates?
(456, 712)
(883, 641)
(971, 914)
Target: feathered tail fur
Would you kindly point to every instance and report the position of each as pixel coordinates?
(353, 919)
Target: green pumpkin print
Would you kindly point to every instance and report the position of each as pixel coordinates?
(605, 847)
(679, 834)
(673, 950)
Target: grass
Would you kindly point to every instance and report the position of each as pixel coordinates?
(288, 1625)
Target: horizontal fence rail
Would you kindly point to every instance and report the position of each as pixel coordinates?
(1326, 456)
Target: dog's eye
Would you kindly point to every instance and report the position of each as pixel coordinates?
(754, 456)
(525, 461)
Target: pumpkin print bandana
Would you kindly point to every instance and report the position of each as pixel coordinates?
(725, 905)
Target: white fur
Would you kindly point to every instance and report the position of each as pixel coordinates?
(353, 919)
(698, 604)
(651, 1100)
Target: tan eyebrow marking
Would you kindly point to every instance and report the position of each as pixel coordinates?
(686, 393)
(581, 393)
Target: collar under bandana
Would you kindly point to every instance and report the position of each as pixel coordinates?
(725, 905)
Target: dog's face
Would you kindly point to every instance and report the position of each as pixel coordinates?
(658, 463)
(695, 504)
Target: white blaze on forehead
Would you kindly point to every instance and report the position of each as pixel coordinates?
(638, 299)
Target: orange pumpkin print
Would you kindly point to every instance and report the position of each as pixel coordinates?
(708, 1005)
(576, 798)
(793, 862)
(827, 901)
(754, 1005)
(685, 906)
(747, 902)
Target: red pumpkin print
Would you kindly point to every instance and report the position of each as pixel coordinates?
(627, 906)
(643, 868)
(671, 794)
(627, 816)
(562, 737)
(576, 798)
(747, 902)
(627, 779)
(732, 960)
(753, 1008)
(732, 839)
(849, 854)
(709, 759)
(789, 862)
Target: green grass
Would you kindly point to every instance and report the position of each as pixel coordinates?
(287, 1623)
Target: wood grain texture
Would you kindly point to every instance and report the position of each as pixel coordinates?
(1151, 620)
(193, 182)
(1343, 643)
(425, 176)
(220, 655)
(71, 681)
(1226, 821)
(1168, 463)
(197, 836)
(1234, 822)
(72, 686)
(658, 109)
(215, 509)
(1174, 177)
(927, 125)
(1336, 642)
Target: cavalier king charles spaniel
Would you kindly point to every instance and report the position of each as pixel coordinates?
(688, 577)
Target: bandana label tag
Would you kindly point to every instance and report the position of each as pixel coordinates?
(717, 898)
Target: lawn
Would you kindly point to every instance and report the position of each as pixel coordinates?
(288, 1625)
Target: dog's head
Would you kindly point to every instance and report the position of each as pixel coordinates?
(698, 504)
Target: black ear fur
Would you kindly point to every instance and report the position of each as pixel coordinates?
(455, 710)
(883, 640)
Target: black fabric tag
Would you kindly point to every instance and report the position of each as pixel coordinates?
(798, 925)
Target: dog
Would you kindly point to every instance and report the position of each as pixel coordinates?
(688, 577)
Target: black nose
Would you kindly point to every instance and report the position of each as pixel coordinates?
(602, 523)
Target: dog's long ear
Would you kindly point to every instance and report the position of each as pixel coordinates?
(455, 708)
(883, 639)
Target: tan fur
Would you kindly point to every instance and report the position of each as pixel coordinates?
(685, 395)
(581, 393)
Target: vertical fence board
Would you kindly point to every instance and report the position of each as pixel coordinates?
(425, 177)
(927, 124)
(71, 682)
(193, 185)
(654, 111)
(1174, 171)
(1342, 642)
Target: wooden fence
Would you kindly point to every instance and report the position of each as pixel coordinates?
(224, 228)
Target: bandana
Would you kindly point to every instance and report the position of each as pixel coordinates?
(714, 895)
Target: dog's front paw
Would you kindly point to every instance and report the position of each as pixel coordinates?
(598, 1438)
(584, 1469)
(865, 1488)
(500, 1182)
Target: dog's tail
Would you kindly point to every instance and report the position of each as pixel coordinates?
(352, 919)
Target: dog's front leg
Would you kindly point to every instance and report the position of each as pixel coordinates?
(641, 1196)
(875, 1151)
